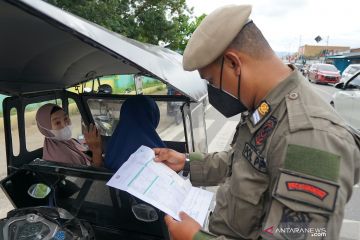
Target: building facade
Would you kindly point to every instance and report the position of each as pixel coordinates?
(316, 51)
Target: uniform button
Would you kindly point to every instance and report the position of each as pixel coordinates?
(293, 95)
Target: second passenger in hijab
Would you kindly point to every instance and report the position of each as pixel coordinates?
(139, 118)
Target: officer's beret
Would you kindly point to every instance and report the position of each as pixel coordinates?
(214, 35)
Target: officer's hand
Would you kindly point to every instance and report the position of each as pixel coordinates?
(183, 230)
(171, 158)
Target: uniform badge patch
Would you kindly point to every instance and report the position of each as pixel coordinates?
(253, 151)
(302, 158)
(264, 108)
(260, 112)
(307, 188)
(294, 220)
(265, 131)
(255, 159)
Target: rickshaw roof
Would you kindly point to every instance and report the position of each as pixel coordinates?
(46, 48)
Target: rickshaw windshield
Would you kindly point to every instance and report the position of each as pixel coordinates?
(106, 112)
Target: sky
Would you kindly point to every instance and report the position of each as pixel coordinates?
(288, 24)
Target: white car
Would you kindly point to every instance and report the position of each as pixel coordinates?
(346, 101)
(349, 72)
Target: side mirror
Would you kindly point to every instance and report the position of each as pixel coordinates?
(340, 85)
(39, 190)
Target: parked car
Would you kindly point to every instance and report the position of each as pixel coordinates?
(349, 72)
(346, 101)
(48, 55)
(323, 73)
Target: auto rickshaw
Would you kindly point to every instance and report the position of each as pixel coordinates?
(50, 55)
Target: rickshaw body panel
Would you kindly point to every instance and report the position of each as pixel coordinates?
(45, 51)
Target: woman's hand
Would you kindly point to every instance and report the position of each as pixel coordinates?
(93, 138)
(171, 158)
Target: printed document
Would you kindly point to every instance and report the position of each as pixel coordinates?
(160, 186)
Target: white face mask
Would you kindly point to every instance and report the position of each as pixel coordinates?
(62, 134)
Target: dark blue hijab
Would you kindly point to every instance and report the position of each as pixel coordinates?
(139, 117)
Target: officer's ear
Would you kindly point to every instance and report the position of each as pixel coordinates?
(233, 61)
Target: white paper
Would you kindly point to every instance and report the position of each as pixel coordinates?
(158, 185)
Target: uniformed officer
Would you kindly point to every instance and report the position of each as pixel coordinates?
(294, 162)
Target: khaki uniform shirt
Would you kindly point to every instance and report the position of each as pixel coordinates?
(290, 172)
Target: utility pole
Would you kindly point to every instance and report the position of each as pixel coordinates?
(327, 41)
(327, 48)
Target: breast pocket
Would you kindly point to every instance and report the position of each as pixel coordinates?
(300, 207)
(246, 198)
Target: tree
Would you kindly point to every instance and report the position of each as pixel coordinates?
(148, 21)
(187, 29)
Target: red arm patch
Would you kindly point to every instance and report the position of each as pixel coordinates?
(307, 188)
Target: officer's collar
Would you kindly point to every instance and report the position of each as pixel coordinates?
(269, 104)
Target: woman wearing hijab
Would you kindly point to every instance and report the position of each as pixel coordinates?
(55, 124)
(139, 118)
